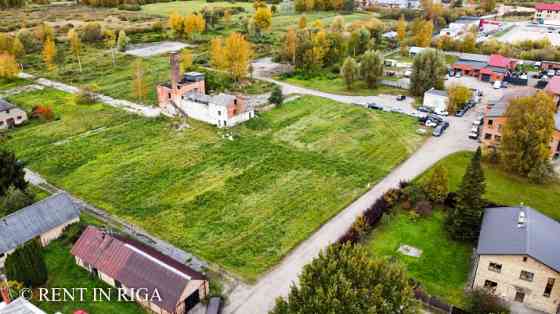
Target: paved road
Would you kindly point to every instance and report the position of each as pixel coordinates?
(260, 298)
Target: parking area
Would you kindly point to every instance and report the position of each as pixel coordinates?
(530, 31)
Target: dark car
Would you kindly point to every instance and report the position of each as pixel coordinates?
(374, 106)
(214, 306)
(445, 124)
(424, 109)
(401, 97)
(461, 112)
(423, 119)
(438, 131)
(435, 118)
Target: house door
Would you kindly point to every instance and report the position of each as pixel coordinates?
(94, 273)
(11, 123)
(192, 301)
(519, 297)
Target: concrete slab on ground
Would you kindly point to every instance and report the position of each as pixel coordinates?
(153, 49)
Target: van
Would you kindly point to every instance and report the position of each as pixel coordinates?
(497, 84)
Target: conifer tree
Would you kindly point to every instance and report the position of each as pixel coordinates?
(26, 265)
(437, 186)
(75, 46)
(11, 172)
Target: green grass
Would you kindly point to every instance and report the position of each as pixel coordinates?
(64, 273)
(506, 189)
(337, 86)
(12, 83)
(242, 204)
(444, 264)
(188, 7)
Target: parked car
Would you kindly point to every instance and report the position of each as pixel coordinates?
(550, 73)
(401, 97)
(396, 109)
(438, 131)
(214, 306)
(407, 73)
(497, 84)
(436, 118)
(418, 114)
(473, 135)
(442, 113)
(431, 123)
(374, 106)
(461, 112)
(424, 109)
(423, 119)
(445, 124)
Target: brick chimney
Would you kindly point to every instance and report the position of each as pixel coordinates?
(174, 60)
(4, 290)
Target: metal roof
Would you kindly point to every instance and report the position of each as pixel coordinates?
(20, 306)
(127, 261)
(34, 220)
(4, 105)
(502, 234)
(500, 107)
(223, 99)
(436, 92)
(472, 63)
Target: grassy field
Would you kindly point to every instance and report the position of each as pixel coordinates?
(444, 264)
(504, 188)
(337, 86)
(188, 7)
(9, 84)
(242, 204)
(64, 273)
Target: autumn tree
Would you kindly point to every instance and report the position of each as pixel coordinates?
(302, 23)
(527, 134)
(401, 34)
(346, 279)
(263, 19)
(43, 32)
(349, 71)
(18, 50)
(217, 53)
(437, 185)
(49, 53)
(139, 85)
(238, 53)
(428, 71)
(122, 41)
(488, 5)
(424, 34)
(194, 24)
(458, 96)
(290, 45)
(371, 67)
(320, 49)
(227, 18)
(75, 46)
(186, 60)
(111, 43)
(463, 222)
(176, 23)
(9, 68)
(338, 24)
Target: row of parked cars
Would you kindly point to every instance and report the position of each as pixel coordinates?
(475, 130)
(435, 121)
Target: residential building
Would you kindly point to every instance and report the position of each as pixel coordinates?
(437, 100)
(20, 306)
(159, 283)
(44, 220)
(10, 115)
(413, 51)
(519, 257)
(186, 95)
(493, 68)
(547, 13)
(495, 119)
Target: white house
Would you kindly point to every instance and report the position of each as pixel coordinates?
(10, 115)
(436, 100)
(413, 51)
(20, 306)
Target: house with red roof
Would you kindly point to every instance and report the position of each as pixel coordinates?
(157, 282)
(547, 13)
(493, 68)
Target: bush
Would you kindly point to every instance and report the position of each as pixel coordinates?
(482, 301)
(423, 208)
(87, 95)
(451, 200)
(92, 32)
(28, 40)
(392, 196)
(43, 113)
(542, 173)
(73, 233)
(130, 7)
(276, 96)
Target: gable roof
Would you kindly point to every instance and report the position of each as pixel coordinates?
(34, 220)
(501, 234)
(500, 107)
(4, 105)
(547, 6)
(127, 260)
(499, 61)
(20, 306)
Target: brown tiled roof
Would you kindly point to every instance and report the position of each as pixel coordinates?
(135, 265)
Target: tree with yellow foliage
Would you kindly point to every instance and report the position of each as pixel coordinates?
(75, 46)
(227, 18)
(186, 60)
(176, 23)
(320, 48)
(424, 35)
(194, 24)
(291, 45)
(238, 54)
(302, 22)
(217, 54)
(9, 68)
(263, 19)
(401, 34)
(139, 85)
(17, 48)
(111, 43)
(49, 52)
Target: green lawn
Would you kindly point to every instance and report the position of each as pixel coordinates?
(9, 84)
(337, 86)
(242, 204)
(444, 264)
(188, 7)
(64, 273)
(506, 189)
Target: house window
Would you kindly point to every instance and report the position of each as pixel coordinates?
(490, 285)
(168, 95)
(19, 117)
(219, 113)
(499, 127)
(487, 136)
(495, 267)
(549, 286)
(526, 275)
(519, 296)
(490, 123)
(497, 138)
(524, 258)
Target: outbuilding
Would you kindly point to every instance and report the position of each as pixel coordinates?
(10, 115)
(437, 100)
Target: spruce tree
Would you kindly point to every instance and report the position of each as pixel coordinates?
(11, 172)
(463, 222)
(26, 265)
(437, 186)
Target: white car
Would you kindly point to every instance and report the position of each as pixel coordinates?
(477, 122)
(473, 135)
(474, 129)
(441, 113)
(497, 84)
(458, 74)
(550, 73)
(407, 73)
(431, 124)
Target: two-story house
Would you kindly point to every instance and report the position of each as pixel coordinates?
(495, 117)
(547, 13)
(519, 257)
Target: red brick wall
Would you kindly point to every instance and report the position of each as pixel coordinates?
(164, 92)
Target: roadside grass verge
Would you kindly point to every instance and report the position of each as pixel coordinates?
(242, 204)
(337, 86)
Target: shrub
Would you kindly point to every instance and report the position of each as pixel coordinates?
(43, 113)
(73, 233)
(392, 196)
(423, 208)
(28, 40)
(451, 200)
(92, 32)
(482, 301)
(542, 173)
(276, 96)
(130, 7)
(87, 95)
